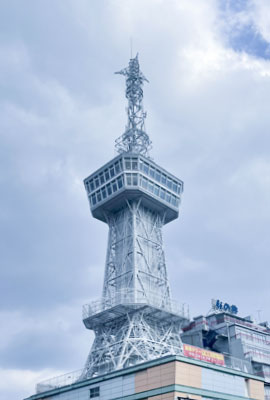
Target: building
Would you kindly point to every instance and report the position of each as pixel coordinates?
(167, 378)
(138, 352)
(237, 338)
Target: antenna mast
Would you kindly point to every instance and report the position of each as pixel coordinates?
(134, 139)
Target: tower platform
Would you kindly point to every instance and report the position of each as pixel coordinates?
(106, 310)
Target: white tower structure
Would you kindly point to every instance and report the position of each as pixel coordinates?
(135, 320)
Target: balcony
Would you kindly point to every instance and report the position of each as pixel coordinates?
(103, 310)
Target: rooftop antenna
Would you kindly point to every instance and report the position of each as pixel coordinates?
(259, 315)
(134, 139)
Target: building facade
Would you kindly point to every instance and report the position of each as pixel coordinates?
(239, 339)
(168, 378)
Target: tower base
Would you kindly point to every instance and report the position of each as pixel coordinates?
(131, 339)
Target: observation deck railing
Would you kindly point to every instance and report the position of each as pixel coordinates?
(134, 298)
(76, 376)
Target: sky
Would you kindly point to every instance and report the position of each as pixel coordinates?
(62, 107)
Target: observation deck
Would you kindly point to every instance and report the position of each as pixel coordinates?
(105, 310)
(130, 176)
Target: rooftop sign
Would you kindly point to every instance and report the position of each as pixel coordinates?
(218, 305)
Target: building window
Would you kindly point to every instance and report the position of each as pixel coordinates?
(107, 175)
(101, 178)
(93, 199)
(112, 173)
(120, 181)
(114, 186)
(146, 168)
(158, 175)
(152, 172)
(127, 163)
(103, 192)
(92, 186)
(96, 182)
(94, 392)
(117, 167)
(134, 163)
(134, 180)
(109, 189)
(98, 195)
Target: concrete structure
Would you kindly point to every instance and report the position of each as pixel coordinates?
(168, 378)
(236, 337)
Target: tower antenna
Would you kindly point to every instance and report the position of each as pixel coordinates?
(134, 139)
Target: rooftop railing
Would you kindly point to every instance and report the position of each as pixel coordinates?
(59, 381)
(238, 364)
(79, 375)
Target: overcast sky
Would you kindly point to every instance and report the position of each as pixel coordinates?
(61, 108)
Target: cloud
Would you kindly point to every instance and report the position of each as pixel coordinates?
(62, 108)
(244, 27)
(20, 383)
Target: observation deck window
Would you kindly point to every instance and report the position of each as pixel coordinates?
(156, 190)
(127, 163)
(134, 179)
(98, 195)
(96, 182)
(151, 187)
(101, 178)
(103, 192)
(163, 179)
(158, 175)
(107, 175)
(120, 182)
(131, 179)
(144, 183)
(109, 189)
(162, 193)
(114, 186)
(145, 168)
(93, 199)
(112, 172)
(134, 163)
(92, 186)
(107, 182)
(117, 168)
(128, 179)
(152, 172)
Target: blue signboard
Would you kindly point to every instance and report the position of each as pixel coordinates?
(225, 307)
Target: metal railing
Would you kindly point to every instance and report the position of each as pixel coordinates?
(59, 381)
(132, 297)
(76, 376)
(238, 364)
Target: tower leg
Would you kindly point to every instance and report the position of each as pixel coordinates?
(134, 338)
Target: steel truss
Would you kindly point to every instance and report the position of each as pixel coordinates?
(134, 338)
(136, 279)
(135, 256)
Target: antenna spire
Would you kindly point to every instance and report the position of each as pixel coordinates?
(134, 139)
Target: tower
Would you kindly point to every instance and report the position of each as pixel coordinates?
(135, 320)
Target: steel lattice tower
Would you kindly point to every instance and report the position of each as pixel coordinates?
(136, 319)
